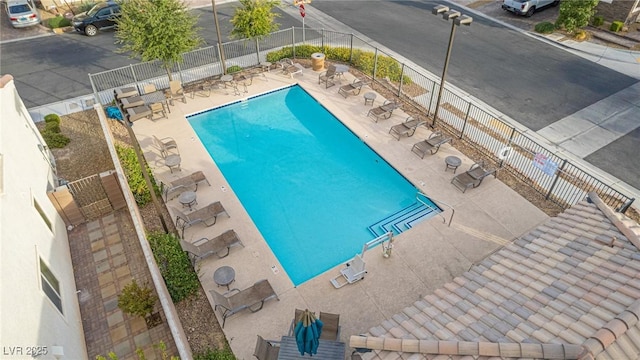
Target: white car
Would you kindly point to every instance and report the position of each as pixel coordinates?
(22, 13)
(527, 7)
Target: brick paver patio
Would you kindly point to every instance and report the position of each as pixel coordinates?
(106, 257)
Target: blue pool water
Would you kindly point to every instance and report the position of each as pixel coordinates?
(309, 184)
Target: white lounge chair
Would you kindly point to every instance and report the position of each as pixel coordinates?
(352, 272)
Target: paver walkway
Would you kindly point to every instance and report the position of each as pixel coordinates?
(106, 256)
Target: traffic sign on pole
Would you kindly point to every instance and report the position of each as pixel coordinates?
(302, 12)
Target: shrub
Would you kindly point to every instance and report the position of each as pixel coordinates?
(52, 118)
(58, 22)
(616, 26)
(175, 266)
(224, 354)
(598, 20)
(545, 27)
(233, 69)
(136, 300)
(86, 6)
(133, 172)
(361, 60)
(580, 35)
(55, 140)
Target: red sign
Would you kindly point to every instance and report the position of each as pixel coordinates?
(302, 12)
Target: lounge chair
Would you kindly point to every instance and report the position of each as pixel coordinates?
(406, 128)
(352, 272)
(125, 92)
(131, 101)
(236, 300)
(328, 76)
(290, 68)
(351, 89)
(176, 187)
(176, 92)
(431, 144)
(472, 177)
(207, 215)
(266, 349)
(383, 111)
(165, 145)
(331, 326)
(204, 247)
(138, 112)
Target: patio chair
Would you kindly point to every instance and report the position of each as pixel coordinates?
(176, 92)
(352, 272)
(351, 89)
(290, 68)
(406, 128)
(266, 349)
(473, 177)
(383, 111)
(328, 76)
(207, 215)
(157, 108)
(138, 112)
(204, 247)
(165, 145)
(236, 300)
(431, 144)
(331, 326)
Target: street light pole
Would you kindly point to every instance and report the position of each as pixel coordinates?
(458, 20)
(220, 49)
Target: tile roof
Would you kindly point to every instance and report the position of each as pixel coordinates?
(568, 289)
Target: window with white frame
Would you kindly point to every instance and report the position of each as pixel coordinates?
(50, 285)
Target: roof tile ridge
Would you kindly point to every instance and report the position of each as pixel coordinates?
(631, 232)
(611, 331)
(468, 348)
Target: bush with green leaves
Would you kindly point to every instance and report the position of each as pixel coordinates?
(135, 179)
(86, 6)
(137, 300)
(616, 26)
(364, 61)
(598, 20)
(545, 27)
(224, 354)
(233, 69)
(58, 22)
(175, 266)
(51, 132)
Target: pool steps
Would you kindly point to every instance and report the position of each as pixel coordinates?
(403, 219)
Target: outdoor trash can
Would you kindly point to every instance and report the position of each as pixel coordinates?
(317, 61)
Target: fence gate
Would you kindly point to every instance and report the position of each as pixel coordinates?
(89, 198)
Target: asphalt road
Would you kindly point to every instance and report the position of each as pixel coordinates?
(54, 68)
(530, 81)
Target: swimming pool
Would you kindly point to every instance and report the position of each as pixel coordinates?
(310, 185)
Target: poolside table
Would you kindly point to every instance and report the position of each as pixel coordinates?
(327, 350)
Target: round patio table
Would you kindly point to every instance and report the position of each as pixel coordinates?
(188, 198)
(452, 163)
(224, 276)
(173, 161)
(369, 98)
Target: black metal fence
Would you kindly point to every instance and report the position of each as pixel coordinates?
(558, 179)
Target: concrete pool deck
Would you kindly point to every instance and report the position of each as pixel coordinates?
(423, 259)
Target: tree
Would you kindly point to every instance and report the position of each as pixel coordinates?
(157, 30)
(254, 19)
(575, 14)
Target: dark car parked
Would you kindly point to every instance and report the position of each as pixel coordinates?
(101, 17)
